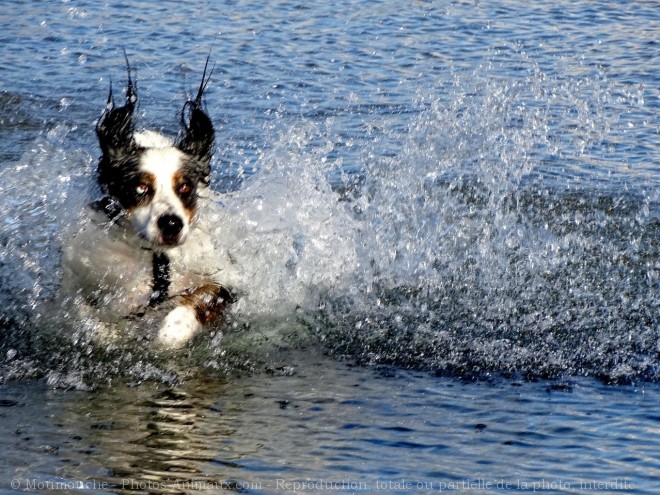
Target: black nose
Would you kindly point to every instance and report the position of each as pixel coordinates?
(170, 225)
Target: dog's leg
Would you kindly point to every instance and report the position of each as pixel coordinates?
(199, 307)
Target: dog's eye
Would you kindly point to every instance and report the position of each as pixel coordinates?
(142, 189)
(184, 188)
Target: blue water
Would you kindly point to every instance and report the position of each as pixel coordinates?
(464, 189)
(323, 427)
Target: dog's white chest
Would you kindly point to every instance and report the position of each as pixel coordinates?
(108, 273)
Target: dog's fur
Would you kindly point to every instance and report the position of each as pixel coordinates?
(142, 248)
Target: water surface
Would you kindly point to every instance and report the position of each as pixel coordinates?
(323, 427)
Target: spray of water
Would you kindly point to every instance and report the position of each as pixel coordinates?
(473, 248)
(479, 266)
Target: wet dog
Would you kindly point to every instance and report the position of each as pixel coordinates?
(143, 246)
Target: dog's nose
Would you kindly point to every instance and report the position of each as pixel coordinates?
(170, 225)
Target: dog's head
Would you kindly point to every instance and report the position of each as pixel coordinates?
(152, 181)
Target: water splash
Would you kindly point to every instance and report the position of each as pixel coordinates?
(286, 228)
(468, 242)
(479, 266)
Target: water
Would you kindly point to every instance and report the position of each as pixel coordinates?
(465, 189)
(338, 429)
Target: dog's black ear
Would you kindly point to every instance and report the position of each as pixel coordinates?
(115, 128)
(197, 133)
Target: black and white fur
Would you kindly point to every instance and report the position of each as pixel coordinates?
(143, 247)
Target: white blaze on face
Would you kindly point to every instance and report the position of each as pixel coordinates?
(162, 165)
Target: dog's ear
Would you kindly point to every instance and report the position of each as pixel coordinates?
(197, 133)
(115, 128)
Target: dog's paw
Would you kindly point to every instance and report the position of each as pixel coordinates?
(179, 326)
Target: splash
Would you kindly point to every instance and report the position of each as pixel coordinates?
(482, 264)
(479, 238)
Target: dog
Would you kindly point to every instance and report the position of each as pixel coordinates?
(142, 247)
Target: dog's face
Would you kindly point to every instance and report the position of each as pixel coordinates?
(159, 194)
(155, 181)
